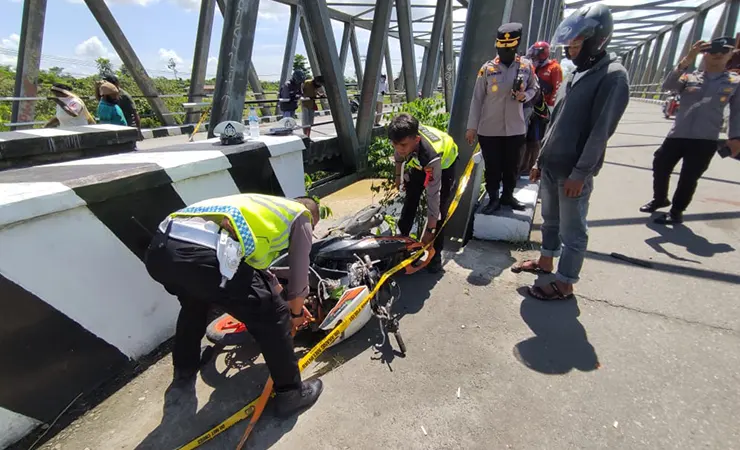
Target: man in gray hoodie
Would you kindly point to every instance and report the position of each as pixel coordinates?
(584, 119)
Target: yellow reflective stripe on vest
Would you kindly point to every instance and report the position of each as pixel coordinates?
(271, 206)
(441, 142)
(262, 223)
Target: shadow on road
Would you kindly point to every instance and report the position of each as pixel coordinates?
(560, 343)
(182, 421)
(684, 236)
(485, 260)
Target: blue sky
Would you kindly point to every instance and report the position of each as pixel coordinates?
(158, 30)
(163, 29)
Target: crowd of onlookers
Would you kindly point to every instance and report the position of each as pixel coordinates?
(115, 106)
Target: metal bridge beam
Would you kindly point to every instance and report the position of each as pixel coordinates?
(695, 34)
(732, 8)
(200, 56)
(440, 16)
(448, 63)
(478, 46)
(286, 71)
(389, 71)
(666, 62)
(405, 36)
(346, 36)
(317, 15)
(123, 48)
(373, 65)
(356, 56)
(29, 62)
(535, 19)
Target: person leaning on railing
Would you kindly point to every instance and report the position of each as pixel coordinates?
(704, 96)
(70, 109)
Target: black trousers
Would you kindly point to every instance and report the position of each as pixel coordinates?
(191, 273)
(414, 189)
(696, 155)
(501, 156)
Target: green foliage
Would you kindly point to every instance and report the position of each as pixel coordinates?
(301, 62)
(324, 211)
(104, 66)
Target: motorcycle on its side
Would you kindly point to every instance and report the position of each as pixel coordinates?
(344, 268)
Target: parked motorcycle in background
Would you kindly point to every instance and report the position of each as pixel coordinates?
(671, 105)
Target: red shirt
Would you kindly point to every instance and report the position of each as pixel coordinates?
(551, 75)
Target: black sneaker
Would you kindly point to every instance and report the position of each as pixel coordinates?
(290, 402)
(654, 205)
(513, 203)
(670, 218)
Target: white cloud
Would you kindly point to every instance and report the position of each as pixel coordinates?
(166, 55)
(187, 5)
(270, 10)
(9, 43)
(93, 48)
(212, 66)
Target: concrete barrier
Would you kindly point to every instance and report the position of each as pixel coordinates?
(76, 301)
(506, 224)
(31, 147)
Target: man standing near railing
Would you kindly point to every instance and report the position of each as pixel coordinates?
(704, 96)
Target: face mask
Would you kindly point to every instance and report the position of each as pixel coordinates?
(506, 55)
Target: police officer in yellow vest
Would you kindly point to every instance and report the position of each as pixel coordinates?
(216, 253)
(430, 155)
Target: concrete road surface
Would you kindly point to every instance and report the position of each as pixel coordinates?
(643, 358)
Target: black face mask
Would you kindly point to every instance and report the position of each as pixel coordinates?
(506, 55)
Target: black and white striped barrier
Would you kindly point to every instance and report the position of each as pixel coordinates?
(76, 301)
(23, 148)
(150, 133)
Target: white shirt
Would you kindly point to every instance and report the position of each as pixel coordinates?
(76, 105)
(382, 87)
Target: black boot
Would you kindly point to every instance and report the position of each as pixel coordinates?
(654, 205)
(290, 402)
(511, 201)
(672, 218)
(492, 206)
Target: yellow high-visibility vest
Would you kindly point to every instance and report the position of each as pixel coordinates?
(262, 222)
(443, 145)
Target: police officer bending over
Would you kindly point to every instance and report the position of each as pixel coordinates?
(693, 138)
(497, 115)
(216, 253)
(431, 155)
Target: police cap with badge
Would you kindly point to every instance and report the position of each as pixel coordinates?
(719, 45)
(509, 35)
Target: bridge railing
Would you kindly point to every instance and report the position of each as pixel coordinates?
(189, 107)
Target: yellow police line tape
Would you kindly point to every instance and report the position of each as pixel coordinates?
(200, 122)
(319, 348)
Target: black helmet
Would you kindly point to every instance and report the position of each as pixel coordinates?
(592, 24)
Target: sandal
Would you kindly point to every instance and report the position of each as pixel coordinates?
(529, 266)
(556, 294)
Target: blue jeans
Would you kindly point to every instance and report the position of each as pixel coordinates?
(564, 227)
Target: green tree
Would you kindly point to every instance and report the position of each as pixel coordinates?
(104, 66)
(56, 71)
(300, 62)
(172, 65)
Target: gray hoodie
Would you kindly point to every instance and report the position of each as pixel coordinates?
(584, 120)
